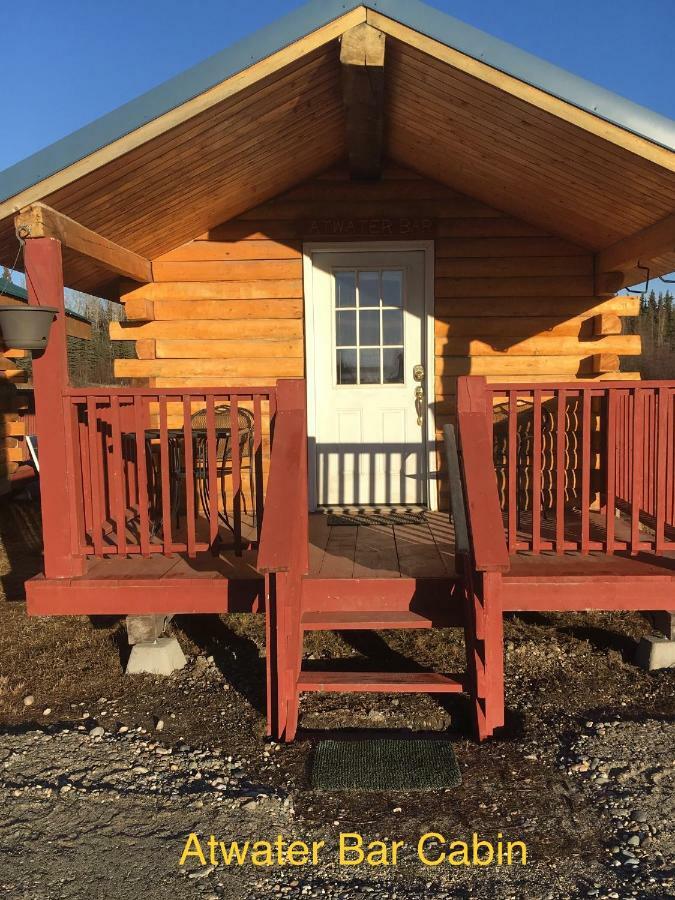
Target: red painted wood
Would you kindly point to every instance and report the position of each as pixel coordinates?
(383, 682)
(141, 476)
(117, 477)
(44, 280)
(76, 503)
(638, 449)
(236, 472)
(610, 463)
(489, 546)
(349, 620)
(188, 450)
(212, 466)
(146, 596)
(373, 594)
(536, 470)
(560, 471)
(585, 470)
(560, 594)
(661, 470)
(257, 464)
(164, 464)
(513, 470)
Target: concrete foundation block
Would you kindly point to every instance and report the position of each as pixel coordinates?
(655, 653)
(160, 657)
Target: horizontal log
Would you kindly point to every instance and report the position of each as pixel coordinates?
(243, 368)
(560, 286)
(139, 310)
(39, 220)
(146, 349)
(607, 323)
(209, 329)
(206, 381)
(515, 267)
(498, 247)
(516, 365)
(648, 243)
(276, 349)
(284, 289)
(225, 309)
(514, 326)
(537, 305)
(446, 385)
(627, 345)
(198, 251)
(229, 270)
(484, 227)
(606, 362)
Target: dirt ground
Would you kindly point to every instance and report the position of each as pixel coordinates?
(584, 772)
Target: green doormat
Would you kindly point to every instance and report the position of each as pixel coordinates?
(384, 765)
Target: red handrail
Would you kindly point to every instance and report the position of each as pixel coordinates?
(483, 511)
(284, 544)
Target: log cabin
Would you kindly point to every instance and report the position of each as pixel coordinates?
(371, 259)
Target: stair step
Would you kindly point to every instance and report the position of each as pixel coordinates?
(343, 620)
(394, 682)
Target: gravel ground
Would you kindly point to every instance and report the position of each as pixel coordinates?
(103, 777)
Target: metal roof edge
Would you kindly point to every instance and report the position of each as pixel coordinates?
(297, 24)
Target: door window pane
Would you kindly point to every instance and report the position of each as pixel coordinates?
(392, 288)
(369, 327)
(345, 289)
(370, 367)
(346, 366)
(392, 365)
(369, 288)
(346, 328)
(392, 326)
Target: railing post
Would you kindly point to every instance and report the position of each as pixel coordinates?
(292, 395)
(44, 280)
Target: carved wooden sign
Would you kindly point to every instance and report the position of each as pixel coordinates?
(372, 227)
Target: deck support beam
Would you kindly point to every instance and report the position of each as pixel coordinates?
(41, 221)
(362, 58)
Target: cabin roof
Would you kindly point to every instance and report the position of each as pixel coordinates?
(295, 64)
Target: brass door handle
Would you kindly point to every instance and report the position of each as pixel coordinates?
(419, 403)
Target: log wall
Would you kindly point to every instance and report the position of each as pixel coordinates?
(511, 301)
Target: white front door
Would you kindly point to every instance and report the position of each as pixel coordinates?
(368, 444)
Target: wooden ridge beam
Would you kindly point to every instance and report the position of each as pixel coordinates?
(39, 220)
(362, 59)
(651, 242)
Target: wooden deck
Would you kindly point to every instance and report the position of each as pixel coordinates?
(382, 551)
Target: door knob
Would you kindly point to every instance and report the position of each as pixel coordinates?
(418, 372)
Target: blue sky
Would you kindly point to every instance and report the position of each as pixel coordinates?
(76, 60)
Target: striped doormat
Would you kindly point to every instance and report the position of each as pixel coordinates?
(379, 516)
(383, 764)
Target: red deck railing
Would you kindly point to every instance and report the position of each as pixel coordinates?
(585, 466)
(146, 480)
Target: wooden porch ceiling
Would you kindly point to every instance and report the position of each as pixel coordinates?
(450, 117)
